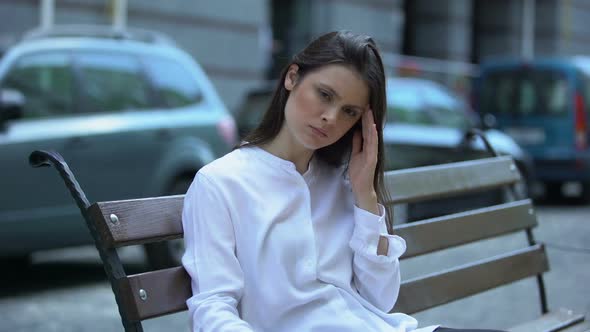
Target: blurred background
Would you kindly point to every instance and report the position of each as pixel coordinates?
(452, 36)
(138, 95)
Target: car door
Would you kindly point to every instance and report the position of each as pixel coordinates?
(117, 135)
(449, 119)
(412, 135)
(36, 211)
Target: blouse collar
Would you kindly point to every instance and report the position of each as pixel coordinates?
(288, 165)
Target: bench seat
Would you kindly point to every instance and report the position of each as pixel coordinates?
(558, 320)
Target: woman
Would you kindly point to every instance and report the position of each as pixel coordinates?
(287, 232)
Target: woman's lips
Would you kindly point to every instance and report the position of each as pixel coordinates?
(319, 132)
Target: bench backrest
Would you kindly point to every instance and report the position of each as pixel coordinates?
(156, 293)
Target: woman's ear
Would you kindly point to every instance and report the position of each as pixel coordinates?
(291, 77)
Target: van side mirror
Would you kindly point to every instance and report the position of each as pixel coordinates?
(12, 104)
(489, 121)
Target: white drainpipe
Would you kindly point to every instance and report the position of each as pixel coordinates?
(46, 14)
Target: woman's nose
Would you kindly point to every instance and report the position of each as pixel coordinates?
(330, 114)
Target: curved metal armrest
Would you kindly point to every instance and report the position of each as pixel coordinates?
(110, 258)
(40, 158)
(477, 132)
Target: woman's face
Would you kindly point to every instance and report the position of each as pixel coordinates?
(324, 105)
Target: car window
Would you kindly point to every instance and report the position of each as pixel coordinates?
(444, 108)
(46, 81)
(174, 84)
(112, 82)
(404, 104)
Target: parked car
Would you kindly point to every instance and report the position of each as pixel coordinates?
(132, 113)
(426, 125)
(544, 104)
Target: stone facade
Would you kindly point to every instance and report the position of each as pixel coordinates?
(232, 39)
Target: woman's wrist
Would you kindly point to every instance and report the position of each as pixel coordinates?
(383, 246)
(368, 202)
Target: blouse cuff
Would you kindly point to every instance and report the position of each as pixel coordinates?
(367, 231)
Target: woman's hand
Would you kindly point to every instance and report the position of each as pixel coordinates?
(363, 161)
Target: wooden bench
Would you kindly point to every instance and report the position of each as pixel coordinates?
(156, 293)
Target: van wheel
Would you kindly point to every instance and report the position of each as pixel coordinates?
(165, 254)
(585, 197)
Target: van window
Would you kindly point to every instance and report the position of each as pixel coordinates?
(525, 92)
(46, 81)
(173, 83)
(112, 82)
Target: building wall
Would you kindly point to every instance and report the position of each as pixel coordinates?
(15, 17)
(231, 39)
(228, 38)
(442, 29)
(572, 28)
(499, 28)
(560, 27)
(381, 19)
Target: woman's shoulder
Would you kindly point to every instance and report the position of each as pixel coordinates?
(230, 164)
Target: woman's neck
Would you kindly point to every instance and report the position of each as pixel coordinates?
(285, 148)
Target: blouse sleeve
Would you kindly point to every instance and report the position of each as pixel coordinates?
(376, 277)
(216, 276)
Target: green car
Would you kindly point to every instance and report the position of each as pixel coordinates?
(133, 115)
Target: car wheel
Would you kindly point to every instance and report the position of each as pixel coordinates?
(522, 189)
(553, 191)
(165, 254)
(16, 265)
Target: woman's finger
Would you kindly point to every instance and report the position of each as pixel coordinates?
(374, 141)
(367, 124)
(370, 115)
(356, 142)
(364, 126)
(370, 130)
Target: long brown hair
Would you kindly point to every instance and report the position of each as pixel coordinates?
(354, 51)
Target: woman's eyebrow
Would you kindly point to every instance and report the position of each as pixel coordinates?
(329, 88)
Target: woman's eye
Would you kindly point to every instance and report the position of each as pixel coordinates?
(324, 95)
(351, 112)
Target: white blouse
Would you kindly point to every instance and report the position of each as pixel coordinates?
(269, 249)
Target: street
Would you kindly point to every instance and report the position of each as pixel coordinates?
(65, 290)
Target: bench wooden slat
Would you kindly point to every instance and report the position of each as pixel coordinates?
(444, 232)
(139, 220)
(552, 322)
(439, 288)
(422, 183)
(166, 292)
(583, 326)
